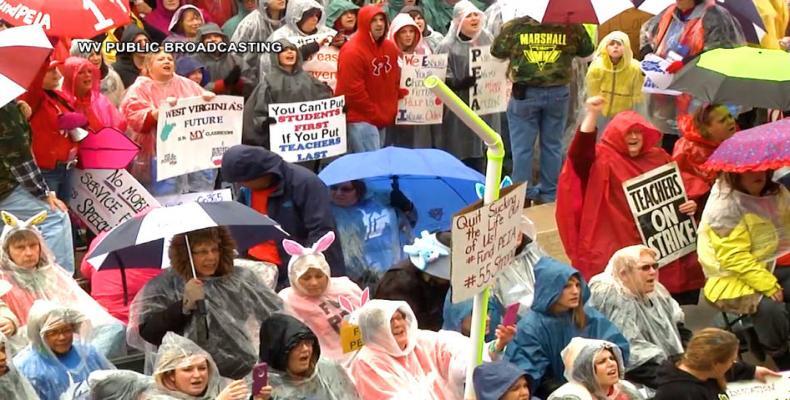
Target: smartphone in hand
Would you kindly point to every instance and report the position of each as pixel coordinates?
(511, 315)
(260, 377)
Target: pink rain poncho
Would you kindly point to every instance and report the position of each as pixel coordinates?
(431, 367)
(95, 105)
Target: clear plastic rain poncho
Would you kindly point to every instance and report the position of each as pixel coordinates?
(516, 283)
(579, 358)
(236, 304)
(12, 384)
(431, 367)
(110, 385)
(51, 375)
(648, 321)
(20, 287)
(179, 352)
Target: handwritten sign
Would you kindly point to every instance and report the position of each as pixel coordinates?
(194, 134)
(350, 337)
(300, 41)
(491, 92)
(420, 106)
(654, 198)
(309, 130)
(323, 65)
(202, 197)
(657, 79)
(104, 198)
(775, 388)
(484, 242)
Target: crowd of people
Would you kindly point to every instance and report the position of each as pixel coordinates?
(356, 303)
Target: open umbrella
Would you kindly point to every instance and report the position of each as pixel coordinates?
(108, 148)
(70, 18)
(745, 76)
(32, 43)
(574, 11)
(437, 183)
(762, 148)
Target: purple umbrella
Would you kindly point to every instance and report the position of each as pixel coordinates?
(762, 148)
(108, 148)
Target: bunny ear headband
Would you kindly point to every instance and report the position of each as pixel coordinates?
(297, 252)
(429, 255)
(12, 223)
(348, 305)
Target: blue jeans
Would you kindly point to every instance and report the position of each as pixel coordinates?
(59, 181)
(56, 228)
(543, 111)
(363, 137)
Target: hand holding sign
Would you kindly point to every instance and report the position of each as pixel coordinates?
(688, 208)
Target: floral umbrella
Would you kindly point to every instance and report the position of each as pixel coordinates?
(762, 148)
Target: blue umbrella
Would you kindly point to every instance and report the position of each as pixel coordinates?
(437, 183)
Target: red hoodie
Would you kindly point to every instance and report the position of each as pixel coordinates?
(368, 74)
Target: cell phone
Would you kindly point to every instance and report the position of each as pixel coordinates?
(260, 377)
(511, 315)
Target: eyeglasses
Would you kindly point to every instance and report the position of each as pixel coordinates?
(65, 331)
(344, 189)
(647, 267)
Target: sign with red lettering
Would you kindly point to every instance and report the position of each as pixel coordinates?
(420, 106)
(323, 65)
(491, 92)
(309, 130)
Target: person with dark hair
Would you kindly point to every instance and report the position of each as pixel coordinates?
(430, 36)
(342, 17)
(130, 65)
(204, 298)
(185, 24)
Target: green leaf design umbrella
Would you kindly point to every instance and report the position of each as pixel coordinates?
(745, 76)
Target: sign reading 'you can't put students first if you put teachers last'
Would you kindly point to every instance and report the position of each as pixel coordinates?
(309, 130)
(654, 198)
(485, 238)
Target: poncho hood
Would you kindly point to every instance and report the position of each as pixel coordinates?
(374, 322)
(179, 352)
(492, 380)
(551, 276)
(279, 334)
(295, 10)
(364, 18)
(603, 58)
(621, 125)
(460, 11)
(579, 359)
(181, 10)
(401, 21)
(336, 9)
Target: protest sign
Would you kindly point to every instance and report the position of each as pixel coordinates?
(309, 130)
(654, 198)
(104, 198)
(300, 41)
(323, 65)
(484, 242)
(194, 134)
(657, 79)
(420, 106)
(350, 337)
(202, 197)
(491, 91)
(774, 388)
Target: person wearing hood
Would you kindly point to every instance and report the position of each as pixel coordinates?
(13, 385)
(111, 84)
(431, 37)
(591, 190)
(257, 27)
(628, 294)
(28, 273)
(368, 75)
(185, 24)
(159, 19)
(58, 354)
(500, 380)
(192, 69)
(218, 11)
(118, 385)
(313, 297)
(615, 75)
(297, 367)
(466, 31)
(439, 13)
(141, 106)
(81, 81)
(243, 9)
(559, 313)
(235, 301)
(342, 17)
(224, 68)
(291, 195)
(184, 371)
(702, 372)
(285, 82)
(594, 370)
(130, 65)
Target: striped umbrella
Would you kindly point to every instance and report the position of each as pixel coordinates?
(573, 11)
(16, 76)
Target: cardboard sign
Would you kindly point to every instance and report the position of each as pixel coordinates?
(350, 337)
(202, 197)
(657, 79)
(323, 65)
(654, 198)
(103, 198)
(194, 134)
(491, 92)
(484, 239)
(309, 130)
(420, 106)
(775, 388)
(300, 41)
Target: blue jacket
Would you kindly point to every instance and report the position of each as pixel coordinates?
(492, 380)
(541, 335)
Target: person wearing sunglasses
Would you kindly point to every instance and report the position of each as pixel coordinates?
(629, 294)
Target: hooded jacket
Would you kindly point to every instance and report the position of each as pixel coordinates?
(335, 10)
(300, 203)
(12, 384)
(111, 83)
(176, 33)
(328, 380)
(431, 37)
(593, 217)
(492, 380)
(255, 27)
(219, 65)
(620, 84)
(186, 65)
(439, 13)
(368, 74)
(676, 384)
(98, 108)
(691, 151)
(542, 335)
(294, 12)
(229, 27)
(401, 21)
(124, 64)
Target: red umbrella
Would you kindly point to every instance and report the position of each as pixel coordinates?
(573, 11)
(16, 75)
(762, 148)
(68, 18)
(107, 149)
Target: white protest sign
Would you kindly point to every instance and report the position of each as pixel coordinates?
(309, 130)
(420, 106)
(323, 65)
(484, 242)
(654, 198)
(775, 388)
(491, 92)
(202, 197)
(104, 198)
(657, 79)
(300, 41)
(194, 134)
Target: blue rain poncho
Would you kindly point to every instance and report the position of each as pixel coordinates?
(454, 314)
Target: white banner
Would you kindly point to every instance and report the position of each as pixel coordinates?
(323, 65)
(104, 198)
(491, 92)
(202, 197)
(420, 106)
(484, 239)
(194, 134)
(309, 130)
(657, 79)
(774, 388)
(300, 41)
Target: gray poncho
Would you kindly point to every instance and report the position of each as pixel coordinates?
(257, 26)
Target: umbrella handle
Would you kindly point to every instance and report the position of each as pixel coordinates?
(189, 252)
